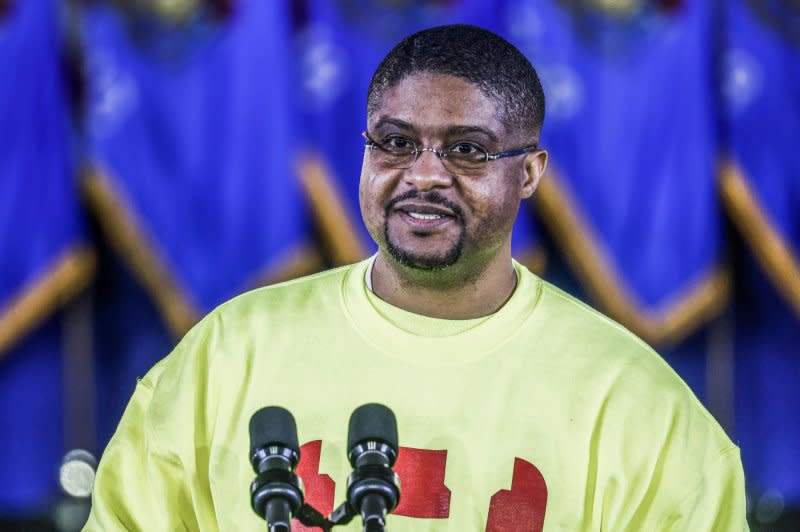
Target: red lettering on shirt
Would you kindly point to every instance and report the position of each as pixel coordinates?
(522, 508)
(319, 489)
(422, 490)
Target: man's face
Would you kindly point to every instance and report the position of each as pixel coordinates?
(427, 217)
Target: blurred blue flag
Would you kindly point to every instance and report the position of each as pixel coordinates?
(630, 196)
(761, 176)
(338, 45)
(190, 136)
(760, 184)
(44, 256)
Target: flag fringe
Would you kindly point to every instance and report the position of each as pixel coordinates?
(664, 326)
(771, 249)
(127, 237)
(51, 290)
(303, 259)
(533, 258)
(337, 229)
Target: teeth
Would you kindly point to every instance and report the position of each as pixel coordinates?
(421, 216)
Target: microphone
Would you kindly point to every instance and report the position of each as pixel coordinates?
(277, 492)
(373, 489)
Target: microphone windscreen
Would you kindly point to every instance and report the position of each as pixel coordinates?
(373, 422)
(273, 425)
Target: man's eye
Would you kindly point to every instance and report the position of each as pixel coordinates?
(398, 144)
(465, 148)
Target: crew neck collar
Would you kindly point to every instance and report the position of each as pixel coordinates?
(464, 346)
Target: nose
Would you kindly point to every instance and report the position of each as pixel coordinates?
(428, 172)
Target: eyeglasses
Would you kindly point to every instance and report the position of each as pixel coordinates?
(400, 153)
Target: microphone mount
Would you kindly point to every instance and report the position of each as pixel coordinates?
(373, 489)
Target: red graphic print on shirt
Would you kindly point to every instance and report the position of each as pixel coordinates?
(319, 489)
(425, 496)
(422, 489)
(520, 509)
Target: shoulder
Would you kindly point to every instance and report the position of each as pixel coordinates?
(268, 306)
(257, 313)
(617, 368)
(586, 320)
(586, 332)
(644, 420)
(233, 329)
(317, 288)
(220, 349)
(579, 333)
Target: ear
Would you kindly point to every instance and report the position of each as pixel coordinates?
(535, 166)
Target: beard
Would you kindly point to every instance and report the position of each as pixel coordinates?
(417, 261)
(421, 261)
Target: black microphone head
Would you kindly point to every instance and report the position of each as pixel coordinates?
(372, 422)
(276, 494)
(273, 425)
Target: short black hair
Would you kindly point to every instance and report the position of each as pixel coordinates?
(474, 54)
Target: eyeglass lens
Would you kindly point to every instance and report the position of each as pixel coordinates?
(402, 154)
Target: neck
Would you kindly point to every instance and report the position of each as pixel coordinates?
(448, 294)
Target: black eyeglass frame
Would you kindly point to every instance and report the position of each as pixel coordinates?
(372, 145)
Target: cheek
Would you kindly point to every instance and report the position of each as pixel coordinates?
(492, 200)
(494, 209)
(371, 197)
(365, 200)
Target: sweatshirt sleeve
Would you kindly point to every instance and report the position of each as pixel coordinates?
(139, 486)
(717, 503)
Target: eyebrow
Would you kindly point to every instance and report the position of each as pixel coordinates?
(454, 130)
(461, 130)
(402, 124)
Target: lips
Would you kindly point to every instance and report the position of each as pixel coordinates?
(425, 211)
(424, 216)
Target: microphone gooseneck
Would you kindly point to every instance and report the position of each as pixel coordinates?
(277, 492)
(373, 489)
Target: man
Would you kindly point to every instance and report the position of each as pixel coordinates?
(518, 407)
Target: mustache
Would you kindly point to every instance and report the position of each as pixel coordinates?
(429, 197)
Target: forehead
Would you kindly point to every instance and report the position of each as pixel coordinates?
(433, 103)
